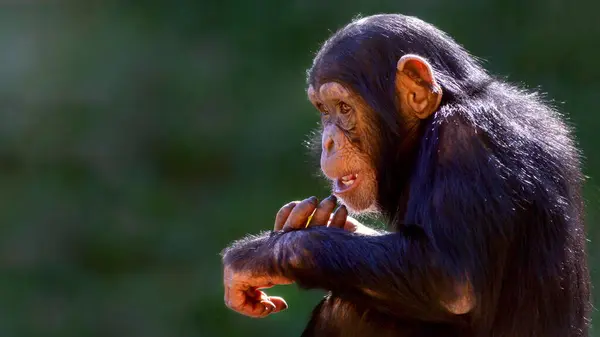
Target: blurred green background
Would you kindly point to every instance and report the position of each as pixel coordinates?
(137, 140)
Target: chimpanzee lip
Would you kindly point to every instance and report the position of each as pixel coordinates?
(346, 183)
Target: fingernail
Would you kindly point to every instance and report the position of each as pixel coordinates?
(332, 198)
(313, 200)
(342, 208)
(268, 306)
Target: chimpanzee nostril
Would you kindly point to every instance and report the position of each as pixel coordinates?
(328, 144)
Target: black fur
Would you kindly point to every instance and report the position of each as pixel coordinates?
(493, 191)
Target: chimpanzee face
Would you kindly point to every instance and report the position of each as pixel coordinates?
(344, 160)
(350, 141)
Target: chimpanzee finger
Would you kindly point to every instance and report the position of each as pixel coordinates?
(300, 214)
(271, 304)
(280, 303)
(257, 304)
(250, 302)
(338, 220)
(283, 214)
(268, 307)
(323, 212)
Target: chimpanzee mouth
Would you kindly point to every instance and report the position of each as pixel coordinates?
(346, 183)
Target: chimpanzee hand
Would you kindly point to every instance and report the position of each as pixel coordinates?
(309, 213)
(243, 276)
(242, 293)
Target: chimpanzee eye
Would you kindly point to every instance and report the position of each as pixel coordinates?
(344, 108)
(322, 109)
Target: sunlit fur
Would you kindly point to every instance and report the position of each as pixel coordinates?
(494, 182)
(487, 193)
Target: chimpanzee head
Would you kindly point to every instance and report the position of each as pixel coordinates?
(376, 83)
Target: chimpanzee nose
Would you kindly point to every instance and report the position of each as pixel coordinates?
(328, 144)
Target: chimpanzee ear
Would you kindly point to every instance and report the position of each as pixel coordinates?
(417, 86)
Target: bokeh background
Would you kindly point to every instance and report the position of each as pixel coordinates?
(138, 138)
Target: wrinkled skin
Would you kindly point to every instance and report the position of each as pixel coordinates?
(345, 128)
(296, 214)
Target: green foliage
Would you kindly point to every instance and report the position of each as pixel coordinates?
(138, 140)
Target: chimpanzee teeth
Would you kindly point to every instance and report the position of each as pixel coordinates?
(348, 182)
(348, 177)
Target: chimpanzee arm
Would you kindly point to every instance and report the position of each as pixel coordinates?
(396, 272)
(464, 211)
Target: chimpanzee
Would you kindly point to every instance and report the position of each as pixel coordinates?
(478, 180)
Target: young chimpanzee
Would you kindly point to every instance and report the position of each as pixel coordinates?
(478, 180)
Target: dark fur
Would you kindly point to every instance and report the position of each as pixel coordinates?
(493, 191)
